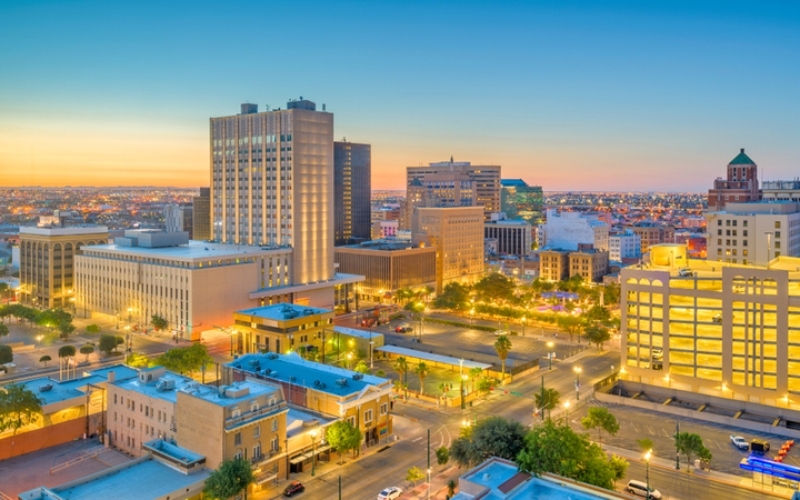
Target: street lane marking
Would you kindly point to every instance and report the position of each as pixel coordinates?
(415, 440)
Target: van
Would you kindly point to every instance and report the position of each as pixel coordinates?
(759, 446)
(639, 488)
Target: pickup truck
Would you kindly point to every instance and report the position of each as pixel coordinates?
(740, 442)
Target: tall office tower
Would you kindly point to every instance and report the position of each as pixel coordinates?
(485, 178)
(178, 218)
(352, 192)
(201, 215)
(520, 201)
(443, 189)
(272, 184)
(741, 185)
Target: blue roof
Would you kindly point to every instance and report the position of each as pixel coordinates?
(150, 389)
(291, 368)
(52, 391)
(173, 452)
(121, 372)
(283, 311)
(147, 479)
(254, 389)
(513, 183)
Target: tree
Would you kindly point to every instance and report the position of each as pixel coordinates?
(598, 417)
(494, 288)
(597, 314)
(414, 475)
(6, 354)
(136, 360)
(690, 444)
(107, 343)
(422, 371)
(560, 450)
(18, 407)
(66, 351)
(502, 345)
(92, 328)
(400, 365)
(3, 330)
(442, 455)
(186, 359)
(490, 437)
(645, 444)
(87, 350)
(455, 297)
(44, 359)
(343, 436)
(546, 399)
(474, 374)
(232, 478)
(158, 322)
(404, 295)
(619, 466)
(65, 329)
(597, 335)
(484, 385)
(362, 367)
(380, 373)
(570, 324)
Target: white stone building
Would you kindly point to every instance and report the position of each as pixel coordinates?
(625, 245)
(567, 230)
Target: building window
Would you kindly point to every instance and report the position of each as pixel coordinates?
(384, 408)
(744, 223)
(237, 439)
(273, 444)
(238, 455)
(728, 222)
(777, 224)
(744, 252)
(254, 406)
(257, 432)
(257, 451)
(777, 244)
(351, 421)
(777, 234)
(719, 222)
(274, 424)
(236, 413)
(368, 416)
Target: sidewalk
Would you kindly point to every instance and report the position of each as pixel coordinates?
(721, 477)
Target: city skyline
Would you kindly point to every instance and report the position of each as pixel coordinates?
(578, 98)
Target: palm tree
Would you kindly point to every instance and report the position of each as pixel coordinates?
(422, 372)
(547, 399)
(474, 374)
(502, 345)
(400, 365)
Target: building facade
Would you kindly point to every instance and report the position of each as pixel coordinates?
(485, 181)
(457, 235)
(553, 265)
(740, 185)
(624, 245)
(514, 237)
(201, 215)
(352, 167)
(518, 200)
(388, 266)
(281, 328)
(754, 233)
(711, 328)
(178, 218)
(47, 263)
(569, 230)
(776, 191)
(651, 233)
(589, 264)
(272, 184)
(193, 285)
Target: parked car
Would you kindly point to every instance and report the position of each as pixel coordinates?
(640, 488)
(740, 442)
(497, 333)
(293, 488)
(759, 446)
(390, 493)
(403, 329)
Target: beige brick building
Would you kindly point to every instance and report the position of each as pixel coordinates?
(457, 235)
(553, 265)
(589, 264)
(46, 270)
(280, 328)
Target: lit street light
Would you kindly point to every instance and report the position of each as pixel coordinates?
(566, 408)
(647, 472)
(578, 382)
(463, 398)
(550, 354)
(313, 449)
(523, 326)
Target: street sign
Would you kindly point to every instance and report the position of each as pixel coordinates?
(516, 393)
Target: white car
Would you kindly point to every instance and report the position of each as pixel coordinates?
(740, 442)
(390, 493)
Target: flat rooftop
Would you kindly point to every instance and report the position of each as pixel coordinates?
(283, 311)
(212, 395)
(143, 479)
(300, 421)
(427, 356)
(361, 334)
(152, 390)
(194, 251)
(293, 369)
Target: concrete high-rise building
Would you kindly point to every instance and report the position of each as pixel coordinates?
(272, 184)
(457, 235)
(352, 166)
(740, 186)
(46, 274)
(518, 200)
(514, 237)
(178, 218)
(485, 181)
(201, 215)
(754, 233)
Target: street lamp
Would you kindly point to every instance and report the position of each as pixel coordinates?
(429, 483)
(523, 326)
(550, 354)
(313, 449)
(577, 382)
(130, 309)
(39, 339)
(463, 399)
(566, 408)
(647, 472)
(472, 316)
(349, 359)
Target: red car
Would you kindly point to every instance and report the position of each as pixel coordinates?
(294, 487)
(403, 329)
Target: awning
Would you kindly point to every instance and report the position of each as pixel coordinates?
(268, 476)
(307, 455)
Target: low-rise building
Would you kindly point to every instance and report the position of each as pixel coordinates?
(281, 328)
(553, 265)
(361, 399)
(514, 237)
(651, 233)
(624, 245)
(590, 264)
(568, 230)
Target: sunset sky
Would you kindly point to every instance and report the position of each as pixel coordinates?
(636, 95)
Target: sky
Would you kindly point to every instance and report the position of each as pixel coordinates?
(570, 95)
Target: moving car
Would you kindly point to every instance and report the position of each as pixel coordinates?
(390, 493)
(294, 487)
(740, 442)
(640, 488)
(497, 333)
(403, 329)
